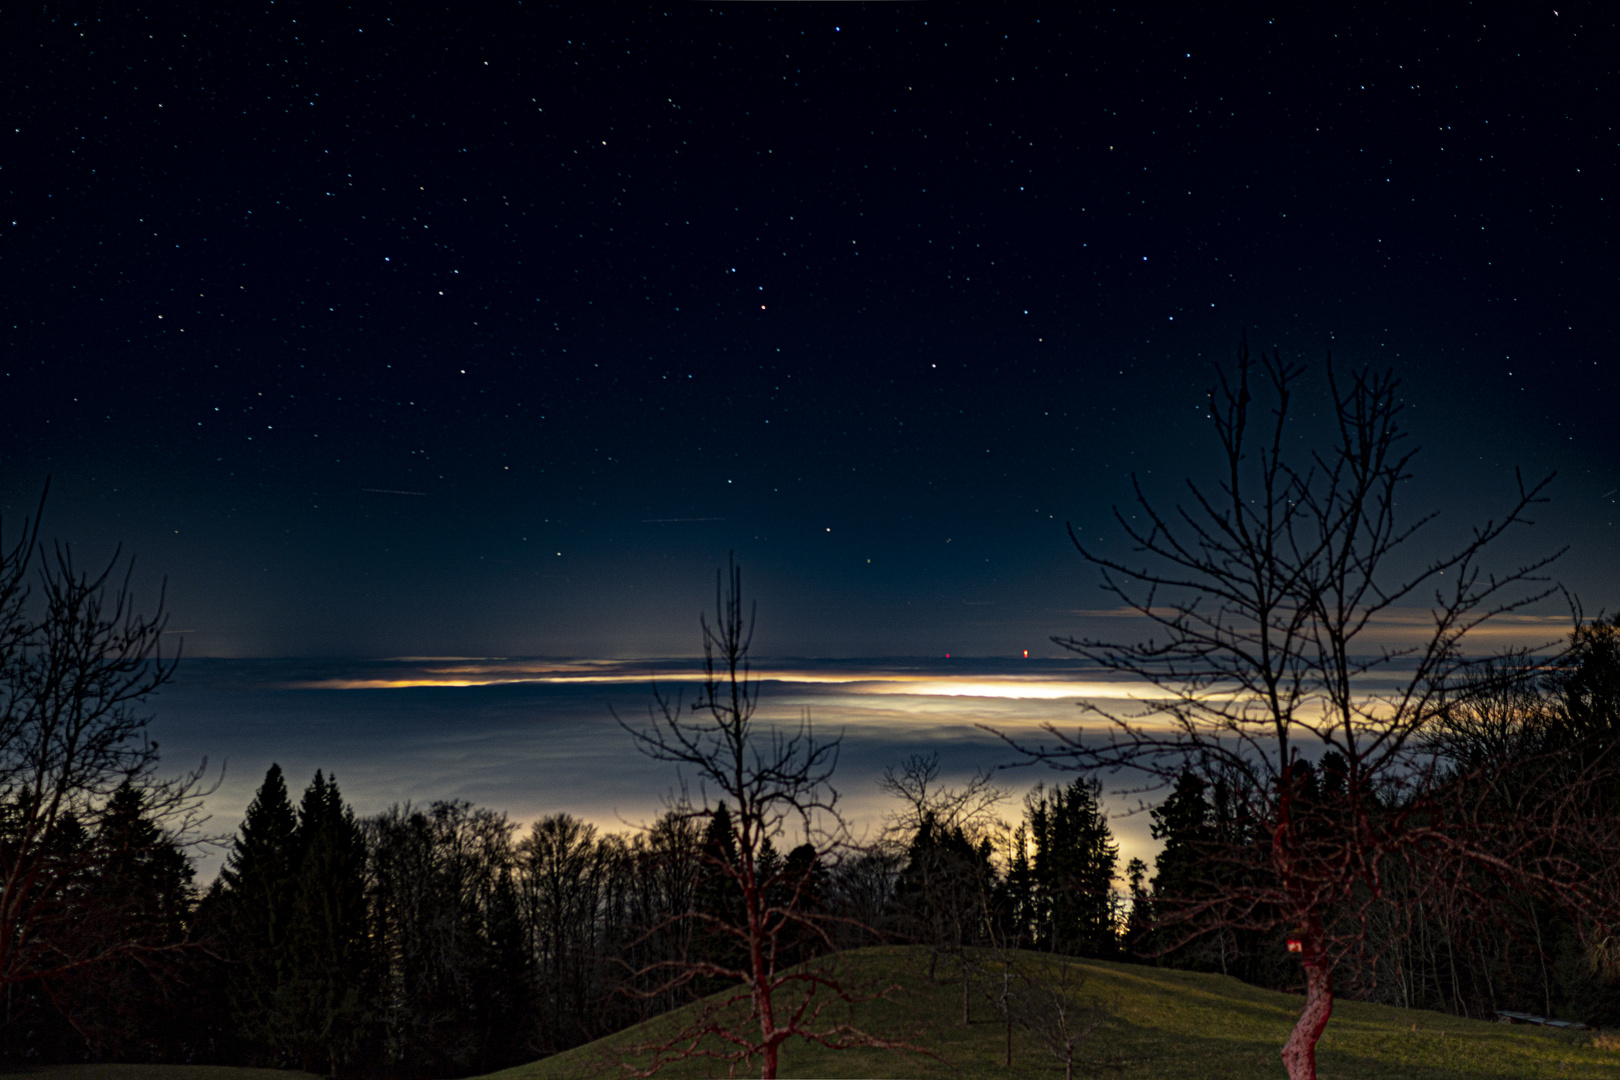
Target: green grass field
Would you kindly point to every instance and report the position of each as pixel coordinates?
(1166, 1024)
(154, 1072)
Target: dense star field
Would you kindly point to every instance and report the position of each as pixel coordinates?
(385, 331)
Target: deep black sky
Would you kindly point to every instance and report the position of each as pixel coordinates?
(613, 289)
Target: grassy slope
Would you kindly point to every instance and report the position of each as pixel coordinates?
(153, 1072)
(1167, 1024)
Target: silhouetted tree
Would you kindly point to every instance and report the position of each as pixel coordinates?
(328, 969)
(259, 890)
(1532, 760)
(1075, 856)
(803, 881)
(436, 883)
(943, 898)
(718, 900)
(138, 891)
(77, 662)
(508, 974)
(860, 891)
(1262, 595)
(946, 893)
(1017, 905)
(768, 780)
(1139, 917)
(568, 884)
(1586, 686)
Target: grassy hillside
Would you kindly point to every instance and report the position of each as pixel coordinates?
(1165, 1025)
(153, 1072)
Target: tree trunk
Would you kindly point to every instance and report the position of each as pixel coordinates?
(1299, 1053)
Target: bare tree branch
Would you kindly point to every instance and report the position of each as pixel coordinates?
(769, 784)
(1264, 594)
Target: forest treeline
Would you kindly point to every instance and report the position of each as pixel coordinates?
(1454, 938)
(443, 940)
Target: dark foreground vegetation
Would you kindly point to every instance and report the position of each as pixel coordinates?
(1409, 826)
(438, 941)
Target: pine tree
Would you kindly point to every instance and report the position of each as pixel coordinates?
(1016, 901)
(1075, 856)
(1182, 821)
(261, 889)
(133, 904)
(1139, 917)
(1199, 823)
(327, 966)
(803, 885)
(718, 901)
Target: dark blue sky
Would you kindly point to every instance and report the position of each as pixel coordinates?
(607, 290)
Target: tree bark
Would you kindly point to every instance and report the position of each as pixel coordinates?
(1299, 1053)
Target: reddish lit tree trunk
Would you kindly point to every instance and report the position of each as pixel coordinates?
(1299, 1053)
(767, 1070)
(768, 1037)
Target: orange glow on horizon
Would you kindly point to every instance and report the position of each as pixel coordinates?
(865, 682)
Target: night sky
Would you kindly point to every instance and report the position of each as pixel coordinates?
(379, 331)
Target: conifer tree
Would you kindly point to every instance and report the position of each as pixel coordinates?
(943, 892)
(133, 903)
(261, 888)
(1075, 856)
(1182, 822)
(1139, 916)
(327, 966)
(803, 873)
(1016, 902)
(1588, 690)
(717, 903)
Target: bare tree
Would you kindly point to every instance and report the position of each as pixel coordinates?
(971, 808)
(77, 661)
(770, 780)
(1037, 994)
(1265, 593)
(943, 893)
